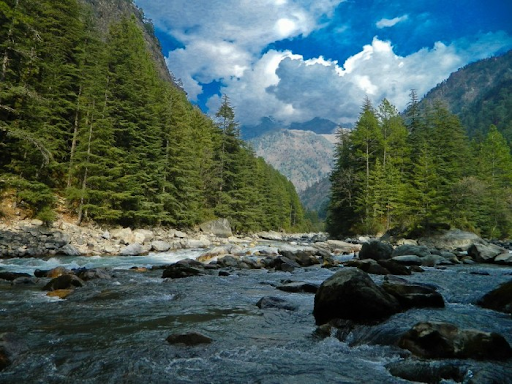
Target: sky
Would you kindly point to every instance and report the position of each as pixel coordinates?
(294, 60)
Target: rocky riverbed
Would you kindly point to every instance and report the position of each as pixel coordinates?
(265, 308)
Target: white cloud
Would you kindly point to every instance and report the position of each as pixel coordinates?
(386, 23)
(223, 41)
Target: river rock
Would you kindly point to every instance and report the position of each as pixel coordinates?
(412, 295)
(123, 235)
(63, 282)
(143, 236)
(407, 259)
(504, 258)
(428, 371)
(376, 250)
(94, 273)
(60, 293)
(271, 235)
(228, 261)
(68, 250)
(351, 294)
(394, 268)
(10, 347)
(451, 240)
(484, 253)
(284, 264)
(434, 340)
(189, 339)
(135, 249)
(11, 276)
(275, 303)
(499, 299)
(56, 272)
(298, 287)
(369, 266)
(305, 258)
(219, 228)
(160, 246)
(24, 281)
(183, 268)
(338, 246)
(407, 249)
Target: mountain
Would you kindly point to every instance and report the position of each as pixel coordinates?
(316, 197)
(480, 94)
(303, 156)
(267, 124)
(317, 125)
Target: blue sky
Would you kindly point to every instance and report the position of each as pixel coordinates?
(295, 60)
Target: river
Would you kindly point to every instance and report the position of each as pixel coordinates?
(114, 331)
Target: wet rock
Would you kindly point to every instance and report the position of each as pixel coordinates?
(189, 339)
(41, 273)
(407, 259)
(394, 268)
(284, 264)
(11, 276)
(406, 249)
(135, 249)
(376, 250)
(56, 272)
(60, 293)
(228, 261)
(369, 266)
(428, 371)
(351, 294)
(24, 281)
(219, 227)
(94, 273)
(298, 287)
(451, 240)
(275, 303)
(270, 235)
(435, 340)
(143, 236)
(183, 268)
(504, 258)
(304, 258)
(63, 282)
(484, 253)
(499, 299)
(411, 295)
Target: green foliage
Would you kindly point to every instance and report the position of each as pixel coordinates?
(87, 115)
(420, 177)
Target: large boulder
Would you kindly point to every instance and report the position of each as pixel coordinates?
(433, 340)
(451, 240)
(376, 250)
(411, 295)
(219, 227)
(351, 294)
(143, 236)
(485, 253)
(160, 246)
(11, 276)
(499, 299)
(183, 268)
(135, 249)
(407, 249)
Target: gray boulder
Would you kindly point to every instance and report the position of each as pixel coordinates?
(484, 253)
(273, 302)
(451, 240)
(407, 249)
(499, 299)
(411, 295)
(433, 340)
(376, 250)
(160, 246)
(135, 249)
(219, 227)
(64, 282)
(351, 294)
(183, 268)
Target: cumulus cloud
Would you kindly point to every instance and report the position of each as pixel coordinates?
(386, 23)
(223, 41)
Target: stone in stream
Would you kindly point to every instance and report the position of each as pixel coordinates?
(11, 276)
(135, 249)
(411, 295)
(434, 340)
(298, 287)
(183, 268)
(275, 303)
(189, 339)
(499, 299)
(284, 264)
(484, 253)
(56, 272)
(376, 250)
(63, 282)
(428, 371)
(93, 273)
(351, 294)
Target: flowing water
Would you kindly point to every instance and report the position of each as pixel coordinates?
(114, 331)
